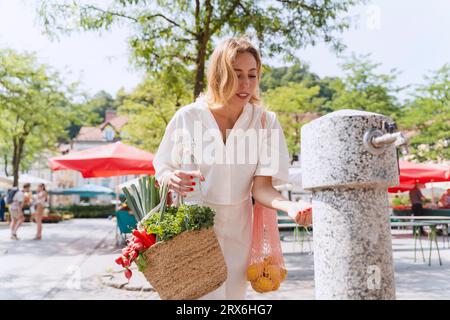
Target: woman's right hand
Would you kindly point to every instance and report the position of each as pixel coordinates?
(301, 212)
(182, 182)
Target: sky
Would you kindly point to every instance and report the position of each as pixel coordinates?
(409, 35)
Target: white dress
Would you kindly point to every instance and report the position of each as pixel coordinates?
(228, 170)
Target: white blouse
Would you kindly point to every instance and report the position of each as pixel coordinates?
(192, 140)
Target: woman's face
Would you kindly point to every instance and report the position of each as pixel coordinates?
(246, 70)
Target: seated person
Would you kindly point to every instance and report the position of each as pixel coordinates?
(417, 199)
(444, 201)
(396, 201)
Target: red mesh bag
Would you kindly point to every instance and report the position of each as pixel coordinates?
(265, 269)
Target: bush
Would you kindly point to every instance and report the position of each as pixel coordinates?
(87, 211)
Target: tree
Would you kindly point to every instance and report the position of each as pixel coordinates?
(291, 102)
(363, 88)
(35, 106)
(5, 149)
(95, 107)
(100, 103)
(183, 32)
(428, 116)
(277, 77)
(151, 106)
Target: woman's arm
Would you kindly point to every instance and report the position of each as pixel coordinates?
(268, 196)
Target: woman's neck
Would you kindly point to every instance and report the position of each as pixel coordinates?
(231, 112)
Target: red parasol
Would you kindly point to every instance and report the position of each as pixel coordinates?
(423, 173)
(410, 173)
(401, 188)
(115, 159)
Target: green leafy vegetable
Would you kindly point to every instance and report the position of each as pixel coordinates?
(177, 220)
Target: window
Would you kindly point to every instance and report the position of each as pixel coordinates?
(109, 133)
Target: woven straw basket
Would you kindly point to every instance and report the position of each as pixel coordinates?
(186, 267)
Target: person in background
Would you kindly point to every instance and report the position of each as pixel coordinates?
(444, 201)
(417, 199)
(40, 202)
(396, 201)
(27, 202)
(2, 207)
(16, 210)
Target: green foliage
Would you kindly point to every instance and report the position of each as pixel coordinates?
(182, 33)
(151, 106)
(171, 225)
(177, 220)
(290, 102)
(36, 108)
(427, 115)
(173, 40)
(170, 221)
(197, 217)
(401, 201)
(364, 89)
(278, 77)
(96, 107)
(93, 211)
(141, 263)
(299, 72)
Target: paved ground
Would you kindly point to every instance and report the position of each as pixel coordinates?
(75, 260)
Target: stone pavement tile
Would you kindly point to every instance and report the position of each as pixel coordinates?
(116, 279)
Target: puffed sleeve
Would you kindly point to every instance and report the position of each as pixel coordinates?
(168, 156)
(273, 157)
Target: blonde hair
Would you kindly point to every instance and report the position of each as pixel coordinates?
(221, 77)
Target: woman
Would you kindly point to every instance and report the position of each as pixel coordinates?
(444, 201)
(225, 148)
(40, 203)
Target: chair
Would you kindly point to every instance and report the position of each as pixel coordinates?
(126, 222)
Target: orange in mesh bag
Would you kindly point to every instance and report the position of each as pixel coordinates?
(266, 268)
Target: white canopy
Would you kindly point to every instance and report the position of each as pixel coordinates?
(7, 182)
